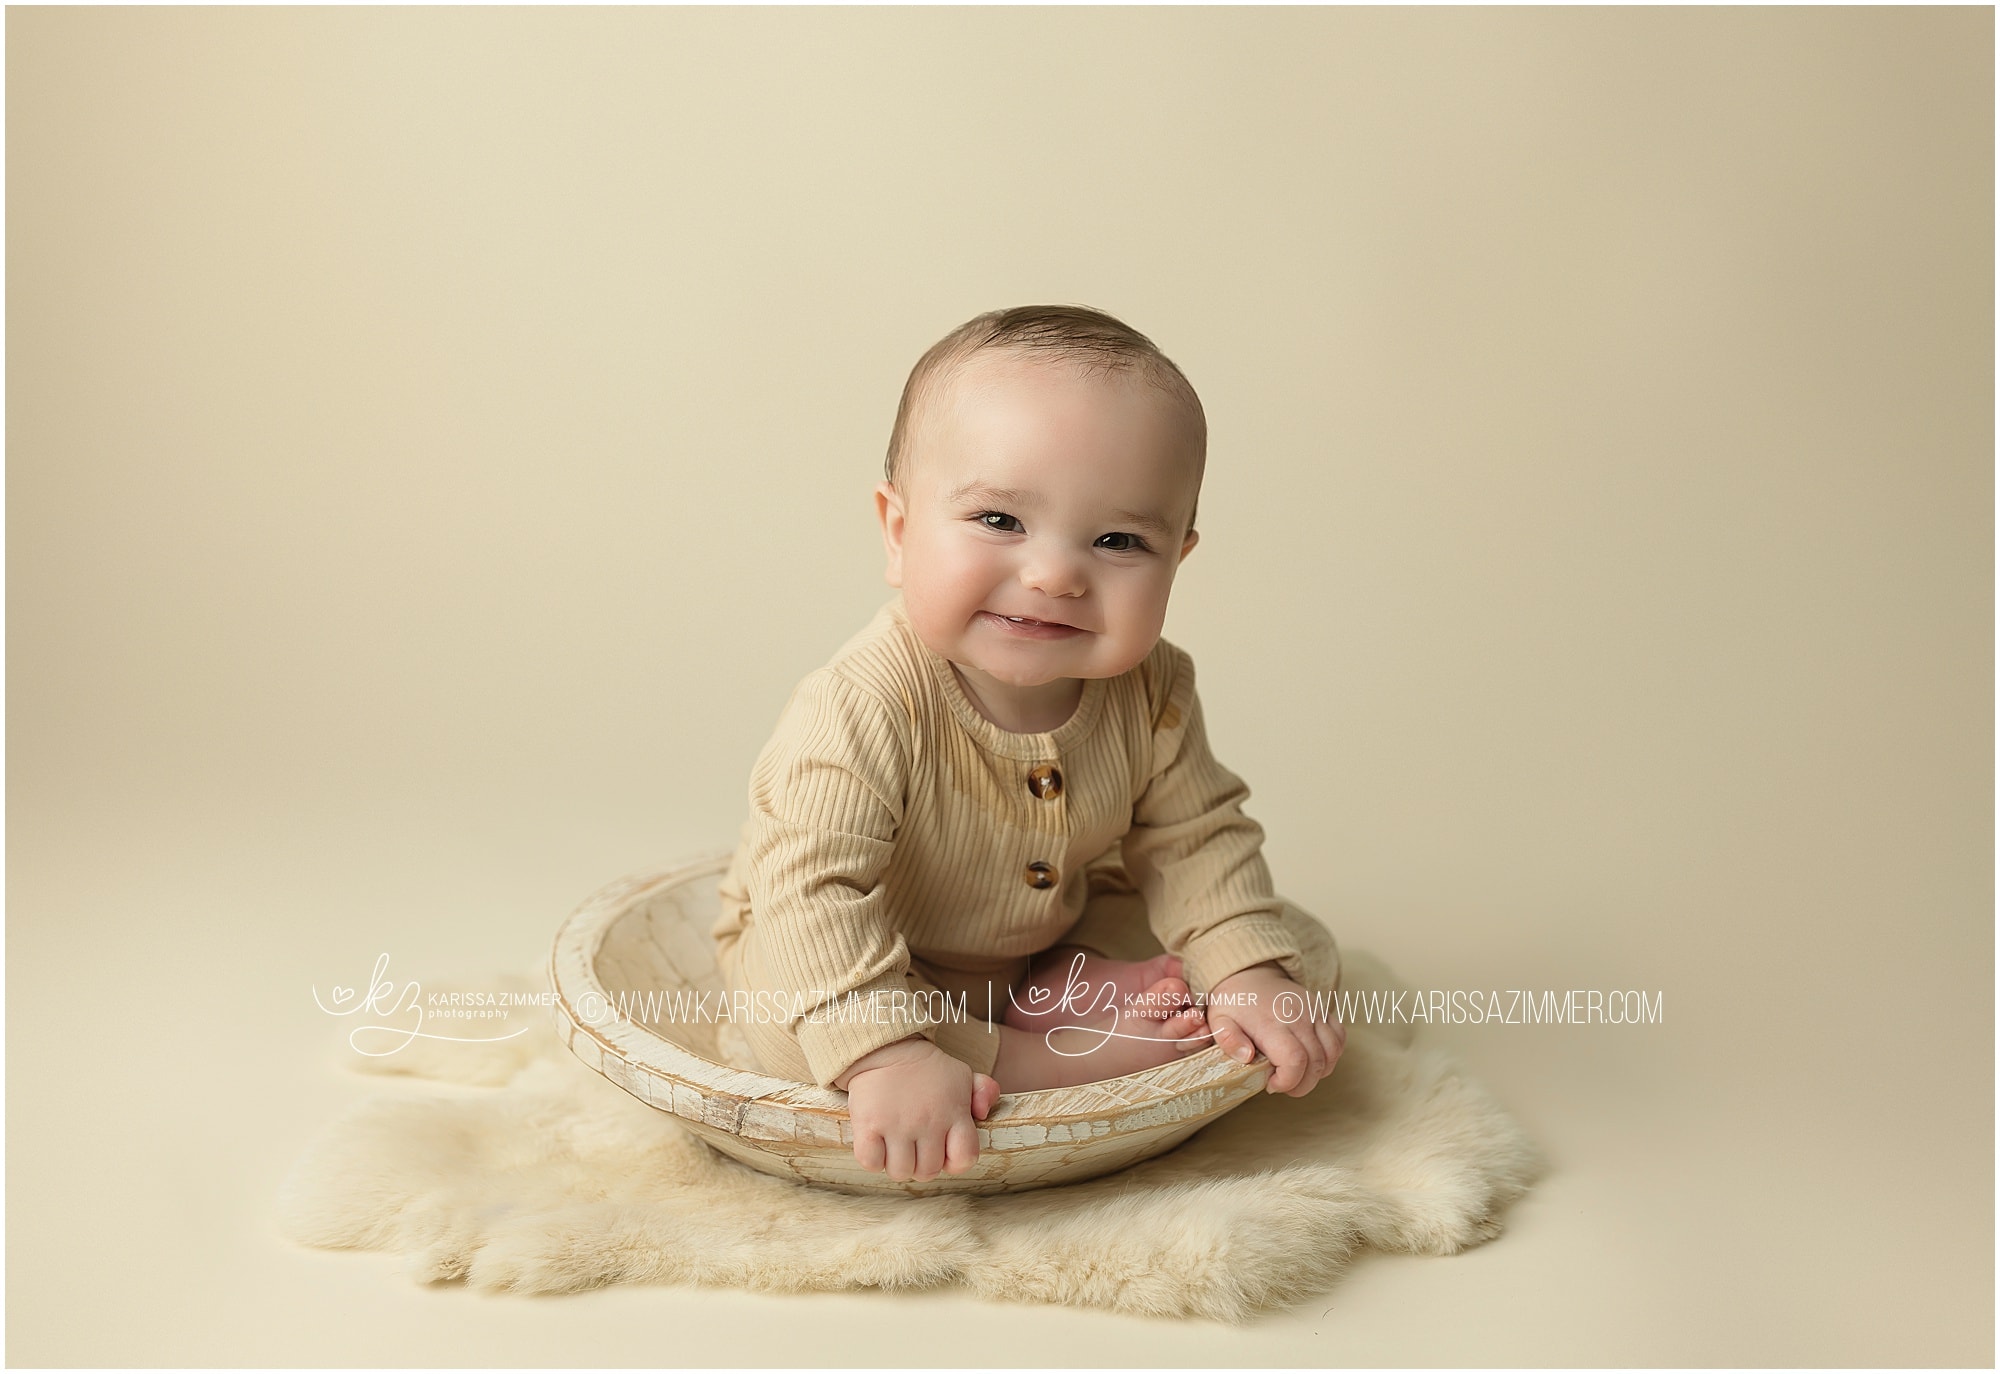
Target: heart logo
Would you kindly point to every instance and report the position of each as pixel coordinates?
(341, 995)
(1037, 996)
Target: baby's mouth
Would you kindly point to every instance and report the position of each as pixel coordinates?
(1031, 625)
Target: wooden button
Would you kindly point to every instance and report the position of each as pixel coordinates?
(1040, 875)
(1045, 781)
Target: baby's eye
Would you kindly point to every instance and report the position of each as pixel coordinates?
(987, 518)
(1133, 543)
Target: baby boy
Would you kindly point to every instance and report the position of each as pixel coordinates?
(963, 817)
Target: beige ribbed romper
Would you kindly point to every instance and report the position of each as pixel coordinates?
(899, 842)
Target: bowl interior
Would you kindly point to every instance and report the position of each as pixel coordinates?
(659, 958)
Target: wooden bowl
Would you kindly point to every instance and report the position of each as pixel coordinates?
(649, 935)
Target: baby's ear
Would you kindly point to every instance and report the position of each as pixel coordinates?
(1187, 544)
(889, 510)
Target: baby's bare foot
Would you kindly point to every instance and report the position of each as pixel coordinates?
(1069, 986)
(1134, 1040)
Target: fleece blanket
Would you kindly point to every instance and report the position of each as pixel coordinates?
(515, 1167)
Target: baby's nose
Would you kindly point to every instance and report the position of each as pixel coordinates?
(1053, 577)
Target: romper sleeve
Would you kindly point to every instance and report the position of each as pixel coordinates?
(826, 800)
(1193, 854)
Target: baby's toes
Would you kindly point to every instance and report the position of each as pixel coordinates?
(1188, 1029)
(1160, 1000)
(1137, 1008)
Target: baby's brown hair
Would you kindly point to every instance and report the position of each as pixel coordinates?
(1089, 339)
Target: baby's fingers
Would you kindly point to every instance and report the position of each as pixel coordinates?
(1231, 1037)
(1302, 1055)
(930, 1155)
(902, 1157)
(1316, 1060)
(961, 1148)
(1333, 1036)
(869, 1150)
(1291, 1064)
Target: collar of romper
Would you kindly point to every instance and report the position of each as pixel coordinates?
(1043, 744)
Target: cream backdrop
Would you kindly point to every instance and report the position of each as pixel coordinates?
(438, 439)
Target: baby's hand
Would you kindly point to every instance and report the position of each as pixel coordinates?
(1297, 1034)
(911, 1107)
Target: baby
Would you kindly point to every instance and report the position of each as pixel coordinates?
(979, 804)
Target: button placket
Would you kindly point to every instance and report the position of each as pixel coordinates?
(1045, 781)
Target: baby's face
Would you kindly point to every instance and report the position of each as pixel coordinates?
(1032, 492)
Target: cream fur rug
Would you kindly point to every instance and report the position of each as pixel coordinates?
(549, 1179)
